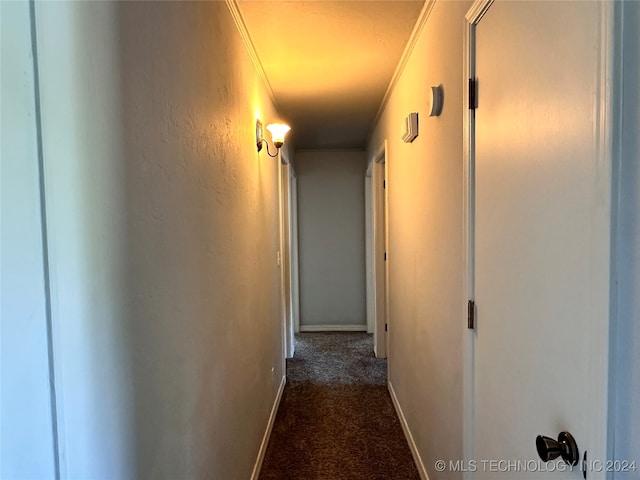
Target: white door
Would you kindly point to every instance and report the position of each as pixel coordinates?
(540, 265)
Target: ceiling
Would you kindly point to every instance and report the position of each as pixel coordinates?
(329, 63)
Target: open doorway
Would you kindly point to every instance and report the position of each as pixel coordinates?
(377, 233)
(288, 257)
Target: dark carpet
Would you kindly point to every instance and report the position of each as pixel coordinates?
(336, 420)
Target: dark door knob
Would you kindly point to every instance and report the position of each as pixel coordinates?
(565, 446)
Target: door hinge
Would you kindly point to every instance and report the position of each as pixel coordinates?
(385, 327)
(384, 184)
(385, 256)
(471, 315)
(473, 94)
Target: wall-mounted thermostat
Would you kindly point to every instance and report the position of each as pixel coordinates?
(435, 99)
(410, 128)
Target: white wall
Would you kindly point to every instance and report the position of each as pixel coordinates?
(26, 442)
(425, 223)
(86, 224)
(424, 186)
(163, 234)
(331, 238)
(627, 395)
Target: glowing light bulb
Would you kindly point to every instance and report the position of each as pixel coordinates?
(278, 131)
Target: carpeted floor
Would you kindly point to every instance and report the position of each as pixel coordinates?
(336, 420)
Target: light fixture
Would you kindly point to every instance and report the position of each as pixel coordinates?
(435, 99)
(278, 131)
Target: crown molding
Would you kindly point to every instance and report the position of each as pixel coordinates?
(408, 50)
(238, 19)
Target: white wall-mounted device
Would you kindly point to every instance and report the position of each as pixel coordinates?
(435, 99)
(410, 128)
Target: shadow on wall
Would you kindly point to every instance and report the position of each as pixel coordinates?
(196, 287)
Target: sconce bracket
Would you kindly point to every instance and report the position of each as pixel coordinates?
(259, 134)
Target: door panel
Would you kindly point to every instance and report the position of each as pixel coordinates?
(541, 238)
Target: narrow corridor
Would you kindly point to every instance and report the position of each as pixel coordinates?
(336, 418)
(465, 173)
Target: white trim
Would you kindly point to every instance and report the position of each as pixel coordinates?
(380, 155)
(368, 255)
(284, 156)
(387, 249)
(380, 245)
(407, 433)
(281, 267)
(333, 328)
(477, 11)
(408, 50)
(295, 256)
(606, 143)
(617, 120)
(236, 13)
(472, 18)
(285, 256)
(267, 433)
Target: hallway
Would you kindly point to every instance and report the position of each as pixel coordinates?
(160, 251)
(336, 419)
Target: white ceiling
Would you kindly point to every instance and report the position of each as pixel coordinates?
(329, 62)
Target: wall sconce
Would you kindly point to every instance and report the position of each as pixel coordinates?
(278, 132)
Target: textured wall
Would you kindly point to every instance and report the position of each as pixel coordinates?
(331, 236)
(425, 240)
(627, 395)
(25, 408)
(164, 231)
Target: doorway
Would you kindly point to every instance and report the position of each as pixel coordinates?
(380, 250)
(287, 258)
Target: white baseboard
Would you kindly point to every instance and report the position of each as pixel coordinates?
(333, 328)
(407, 433)
(267, 433)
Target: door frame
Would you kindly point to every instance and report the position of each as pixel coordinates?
(380, 245)
(285, 257)
(368, 225)
(295, 270)
(608, 106)
(472, 18)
